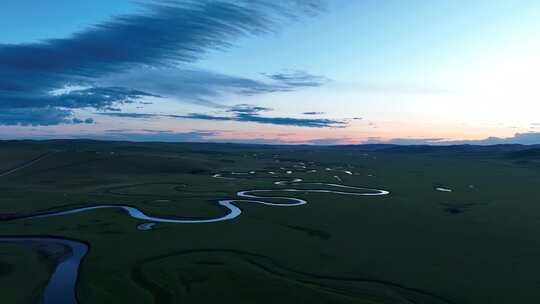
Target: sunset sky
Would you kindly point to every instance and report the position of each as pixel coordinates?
(286, 72)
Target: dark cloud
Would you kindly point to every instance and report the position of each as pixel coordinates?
(288, 121)
(313, 113)
(248, 109)
(80, 121)
(203, 117)
(165, 34)
(56, 108)
(39, 116)
(243, 117)
(168, 32)
(101, 97)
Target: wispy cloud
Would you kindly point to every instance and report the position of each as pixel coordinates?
(244, 113)
(104, 57)
(194, 85)
(154, 135)
(131, 115)
(298, 79)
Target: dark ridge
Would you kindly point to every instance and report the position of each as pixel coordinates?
(364, 147)
(533, 153)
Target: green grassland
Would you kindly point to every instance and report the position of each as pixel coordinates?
(476, 244)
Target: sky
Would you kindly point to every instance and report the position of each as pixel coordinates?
(271, 72)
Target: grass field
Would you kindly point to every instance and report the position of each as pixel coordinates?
(476, 244)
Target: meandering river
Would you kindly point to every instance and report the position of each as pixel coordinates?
(61, 288)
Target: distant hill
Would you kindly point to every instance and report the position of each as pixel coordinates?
(508, 150)
(502, 148)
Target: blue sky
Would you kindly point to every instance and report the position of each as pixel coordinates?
(308, 71)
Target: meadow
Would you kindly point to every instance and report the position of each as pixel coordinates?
(477, 243)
